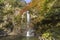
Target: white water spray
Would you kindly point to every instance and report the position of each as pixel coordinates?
(28, 33)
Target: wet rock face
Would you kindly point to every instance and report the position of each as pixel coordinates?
(3, 33)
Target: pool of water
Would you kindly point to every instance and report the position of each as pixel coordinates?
(18, 38)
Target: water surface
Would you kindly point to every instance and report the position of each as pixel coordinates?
(18, 38)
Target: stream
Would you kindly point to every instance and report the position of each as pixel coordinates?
(18, 38)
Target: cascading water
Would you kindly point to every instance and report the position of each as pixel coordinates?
(28, 21)
(29, 30)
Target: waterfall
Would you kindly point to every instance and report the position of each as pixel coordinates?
(29, 30)
(28, 21)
